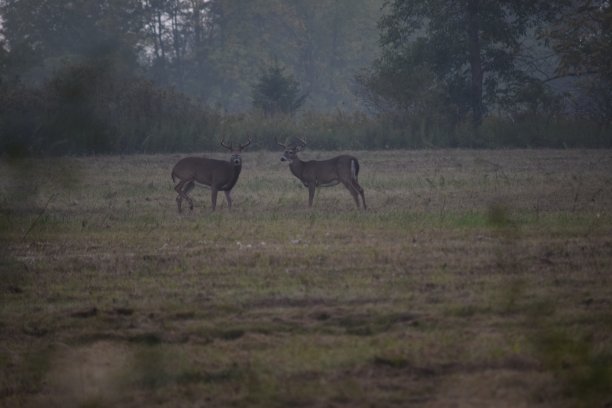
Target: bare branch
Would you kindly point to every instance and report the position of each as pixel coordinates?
(570, 75)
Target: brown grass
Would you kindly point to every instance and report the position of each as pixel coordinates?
(476, 278)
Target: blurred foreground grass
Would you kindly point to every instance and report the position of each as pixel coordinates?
(477, 278)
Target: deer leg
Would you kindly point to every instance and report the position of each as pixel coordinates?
(360, 191)
(179, 198)
(365, 207)
(311, 193)
(351, 188)
(228, 197)
(213, 197)
(186, 190)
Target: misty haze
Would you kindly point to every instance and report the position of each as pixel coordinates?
(183, 216)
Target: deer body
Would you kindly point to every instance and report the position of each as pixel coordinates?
(218, 175)
(325, 173)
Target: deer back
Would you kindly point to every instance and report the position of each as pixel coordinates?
(326, 172)
(210, 172)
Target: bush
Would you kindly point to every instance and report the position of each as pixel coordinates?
(90, 108)
(94, 108)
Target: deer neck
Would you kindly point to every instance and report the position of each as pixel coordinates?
(297, 168)
(233, 179)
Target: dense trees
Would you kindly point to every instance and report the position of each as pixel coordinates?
(43, 35)
(85, 76)
(116, 59)
(92, 108)
(455, 58)
(581, 36)
(277, 93)
(213, 50)
(476, 69)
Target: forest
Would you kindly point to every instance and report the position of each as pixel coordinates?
(144, 76)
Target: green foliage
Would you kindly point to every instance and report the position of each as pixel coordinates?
(584, 371)
(211, 50)
(94, 108)
(277, 92)
(453, 60)
(343, 131)
(40, 34)
(82, 77)
(216, 50)
(581, 36)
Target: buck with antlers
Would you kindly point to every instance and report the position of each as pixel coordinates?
(218, 175)
(324, 173)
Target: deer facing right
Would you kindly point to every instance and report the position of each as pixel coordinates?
(324, 173)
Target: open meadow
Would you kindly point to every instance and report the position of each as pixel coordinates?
(476, 278)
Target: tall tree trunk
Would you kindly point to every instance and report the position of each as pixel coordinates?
(160, 35)
(177, 42)
(473, 31)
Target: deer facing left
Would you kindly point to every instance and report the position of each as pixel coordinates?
(218, 175)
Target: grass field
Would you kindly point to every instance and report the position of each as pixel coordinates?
(475, 279)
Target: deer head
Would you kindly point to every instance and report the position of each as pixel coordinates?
(291, 150)
(235, 159)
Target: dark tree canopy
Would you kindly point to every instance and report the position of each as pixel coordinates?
(212, 50)
(581, 35)
(42, 35)
(277, 92)
(461, 56)
(85, 76)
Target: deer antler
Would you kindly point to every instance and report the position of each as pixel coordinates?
(226, 146)
(303, 142)
(280, 144)
(247, 143)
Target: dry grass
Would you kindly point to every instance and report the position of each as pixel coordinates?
(476, 278)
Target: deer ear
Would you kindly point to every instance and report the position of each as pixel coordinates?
(299, 148)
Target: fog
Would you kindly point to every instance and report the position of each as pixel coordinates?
(213, 51)
(84, 77)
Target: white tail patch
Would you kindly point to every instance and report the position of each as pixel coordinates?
(353, 169)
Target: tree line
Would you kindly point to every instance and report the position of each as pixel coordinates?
(465, 60)
(124, 76)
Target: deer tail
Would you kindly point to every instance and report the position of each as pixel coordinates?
(173, 176)
(354, 168)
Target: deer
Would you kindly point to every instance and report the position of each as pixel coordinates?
(218, 175)
(324, 173)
